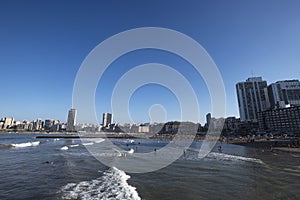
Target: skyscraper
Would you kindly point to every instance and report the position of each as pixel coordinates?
(38, 124)
(48, 124)
(285, 92)
(208, 118)
(8, 122)
(71, 120)
(252, 98)
(106, 119)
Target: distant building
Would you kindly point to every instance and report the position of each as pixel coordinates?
(144, 129)
(71, 120)
(30, 126)
(208, 119)
(133, 128)
(252, 98)
(231, 124)
(213, 123)
(283, 93)
(284, 119)
(63, 127)
(38, 125)
(7, 122)
(156, 128)
(106, 121)
(48, 124)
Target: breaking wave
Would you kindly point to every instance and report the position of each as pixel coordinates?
(228, 157)
(221, 157)
(112, 185)
(27, 144)
(64, 148)
(88, 143)
(74, 145)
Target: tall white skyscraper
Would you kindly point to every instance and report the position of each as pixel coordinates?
(106, 119)
(252, 98)
(71, 120)
(285, 92)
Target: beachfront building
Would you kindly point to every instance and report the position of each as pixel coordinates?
(282, 119)
(7, 122)
(38, 124)
(106, 120)
(284, 93)
(143, 128)
(71, 120)
(231, 124)
(48, 124)
(252, 98)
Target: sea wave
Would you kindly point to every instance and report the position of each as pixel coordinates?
(221, 157)
(112, 185)
(64, 148)
(74, 145)
(99, 140)
(88, 143)
(26, 144)
(228, 157)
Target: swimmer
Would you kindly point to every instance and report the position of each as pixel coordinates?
(220, 148)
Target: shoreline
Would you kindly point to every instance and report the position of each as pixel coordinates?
(291, 145)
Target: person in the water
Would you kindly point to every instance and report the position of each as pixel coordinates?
(220, 149)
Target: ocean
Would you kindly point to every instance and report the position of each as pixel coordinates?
(64, 169)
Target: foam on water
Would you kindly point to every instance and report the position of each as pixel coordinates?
(27, 144)
(222, 157)
(88, 143)
(74, 145)
(99, 140)
(131, 151)
(64, 148)
(112, 185)
(228, 157)
(131, 141)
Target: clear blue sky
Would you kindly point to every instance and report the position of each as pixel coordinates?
(43, 43)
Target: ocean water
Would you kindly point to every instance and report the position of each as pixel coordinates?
(64, 169)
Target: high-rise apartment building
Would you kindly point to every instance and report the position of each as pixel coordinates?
(208, 118)
(252, 98)
(283, 93)
(71, 120)
(281, 119)
(48, 124)
(7, 122)
(38, 124)
(106, 119)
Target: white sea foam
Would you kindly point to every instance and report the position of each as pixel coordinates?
(99, 140)
(27, 144)
(222, 156)
(228, 157)
(112, 185)
(74, 145)
(88, 143)
(64, 148)
(131, 141)
(131, 151)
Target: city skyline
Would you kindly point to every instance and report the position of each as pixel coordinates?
(254, 95)
(40, 56)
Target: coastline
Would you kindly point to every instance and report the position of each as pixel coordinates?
(291, 145)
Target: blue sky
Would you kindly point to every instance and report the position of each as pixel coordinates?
(43, 43)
